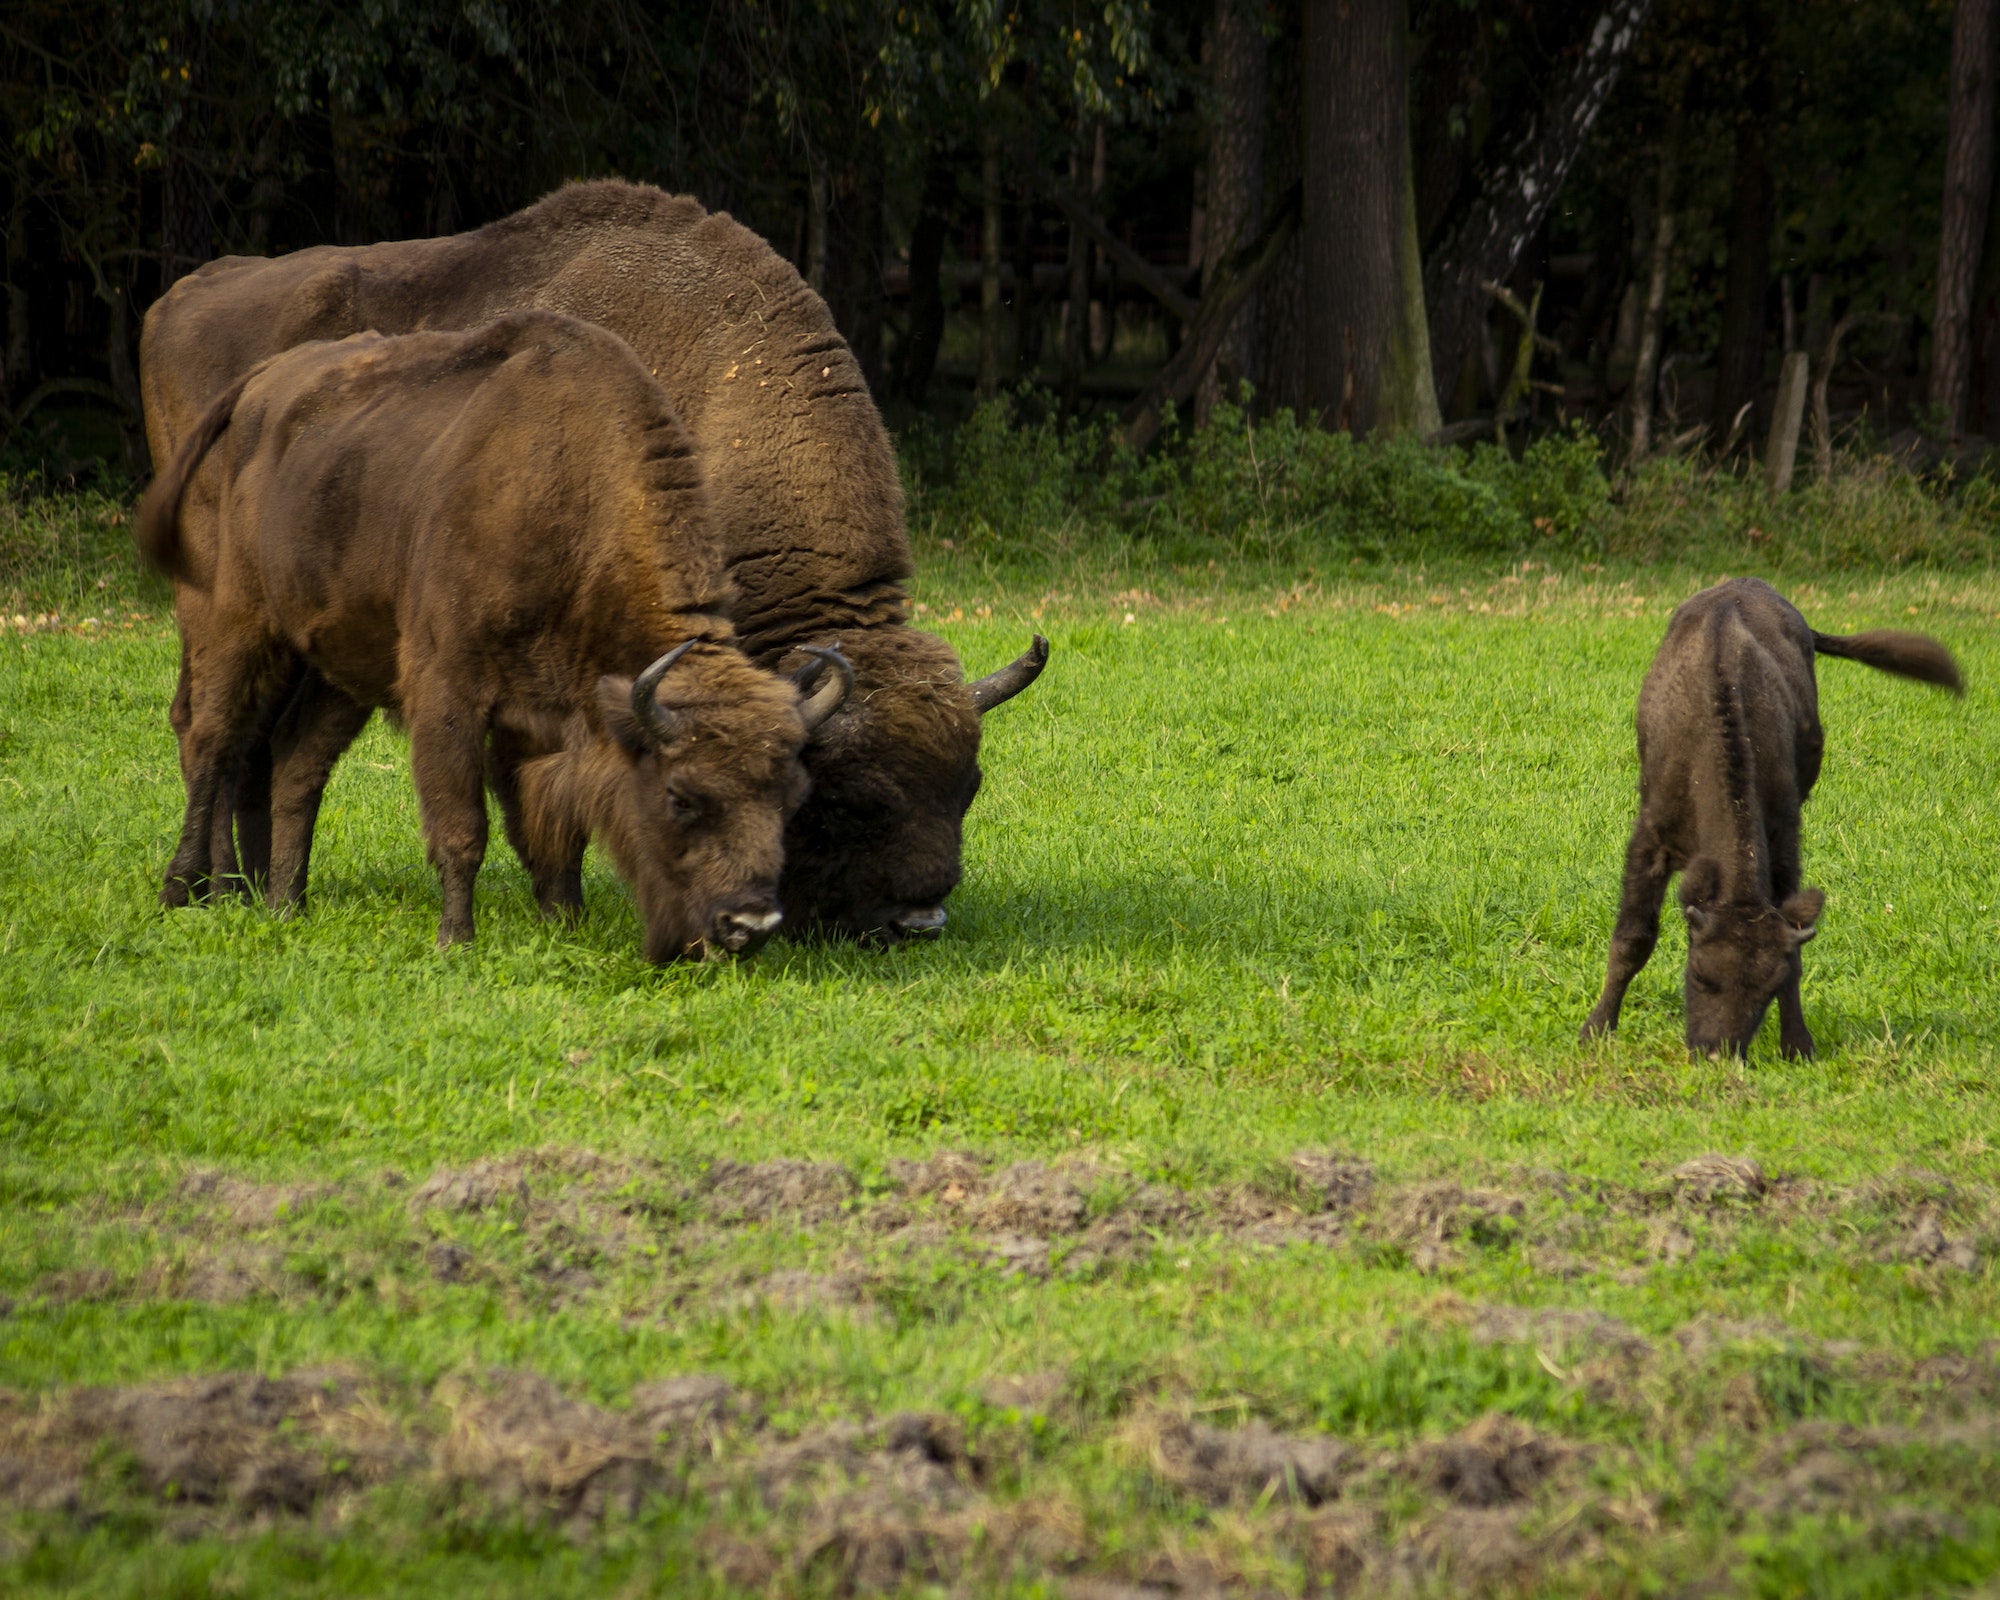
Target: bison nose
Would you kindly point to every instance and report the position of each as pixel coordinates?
(741, 931)
(921, 920)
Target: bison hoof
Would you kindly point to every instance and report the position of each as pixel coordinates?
(177, 894)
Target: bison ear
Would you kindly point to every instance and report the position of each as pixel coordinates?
(1801, 913)
(614, 704)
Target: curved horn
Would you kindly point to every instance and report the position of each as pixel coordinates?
(661, 725)
(997, 688)
(828, 699)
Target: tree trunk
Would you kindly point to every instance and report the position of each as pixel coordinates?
(1739, 357)
(1076, 315)
(1367, 355)
(989, 260)
(917, 359)
(819, 200)
(1235, 212)
(1102, 334)
(1515, 195)
(1968, 190)
(17, 377)
(1652, 320)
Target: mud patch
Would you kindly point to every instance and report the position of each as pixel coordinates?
(1497, 1461)
(1927, 1243)
(1427, 1220)
(247, 1204)
(1252, 1463)
(806, 1192)
(1709, 1178)
(795, 1290)
(518, 1438)
(1560, 1329)
(261, 1445)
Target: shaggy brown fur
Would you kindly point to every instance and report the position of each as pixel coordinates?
(1729, 750)
(803, 491)
(488, 533)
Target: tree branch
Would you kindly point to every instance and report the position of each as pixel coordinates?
(1514, 196)
(1235, 279)
(1141, 271)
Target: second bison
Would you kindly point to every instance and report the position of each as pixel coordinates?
(1729, 749)
(490, 534)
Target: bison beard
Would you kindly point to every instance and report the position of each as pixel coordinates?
(1729, 750)
(481, 531)
(804, 498)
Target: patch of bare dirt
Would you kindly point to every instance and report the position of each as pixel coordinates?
(1029, 1198)
(517, 1438)
(1427, 1219)
(498, 1183)
(1709, 1178)
(1927, 1243)
(1341, 1182)
(1560, 1329)
(806, 1192)
(1254, 1462)
(1499, 1460)
(247, 1204)
(260, 1445)
(1473, 1547)
(793, 1289)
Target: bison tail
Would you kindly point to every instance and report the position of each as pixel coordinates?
(1908, 655)
(159, 528)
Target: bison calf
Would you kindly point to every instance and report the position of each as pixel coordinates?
(1729, 749)
(490, 534)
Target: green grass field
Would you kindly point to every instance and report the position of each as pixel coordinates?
(1223, 1205)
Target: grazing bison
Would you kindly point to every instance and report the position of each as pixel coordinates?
(1729, 749)
(488, 533)
(803, 492)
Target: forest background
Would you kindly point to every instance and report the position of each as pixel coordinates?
(1454, 220)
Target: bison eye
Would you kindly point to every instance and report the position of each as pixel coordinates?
(683, 807)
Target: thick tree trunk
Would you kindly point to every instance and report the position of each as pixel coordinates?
(1367, 354)
(1235, 212)
(917, 359)
(1515, 195)
(1968, 191)
(990, 316)
(1739, 357)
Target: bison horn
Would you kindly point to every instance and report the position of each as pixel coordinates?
(997, 688)
(661, 725)
(830, 695)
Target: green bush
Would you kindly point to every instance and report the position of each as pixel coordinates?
(1019, 484)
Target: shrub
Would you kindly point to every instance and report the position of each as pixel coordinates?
(1019, 484)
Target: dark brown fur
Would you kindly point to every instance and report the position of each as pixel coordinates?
(1729, 750)
(803, 490)
(488, 533)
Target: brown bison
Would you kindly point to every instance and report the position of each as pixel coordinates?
(488, 533)
(803, 492)
(1729, 749)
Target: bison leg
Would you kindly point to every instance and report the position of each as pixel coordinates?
(219, 692)
(318, 724)
(1638, 927)
(558, 882)
(1794, 1037)
(447, 762)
